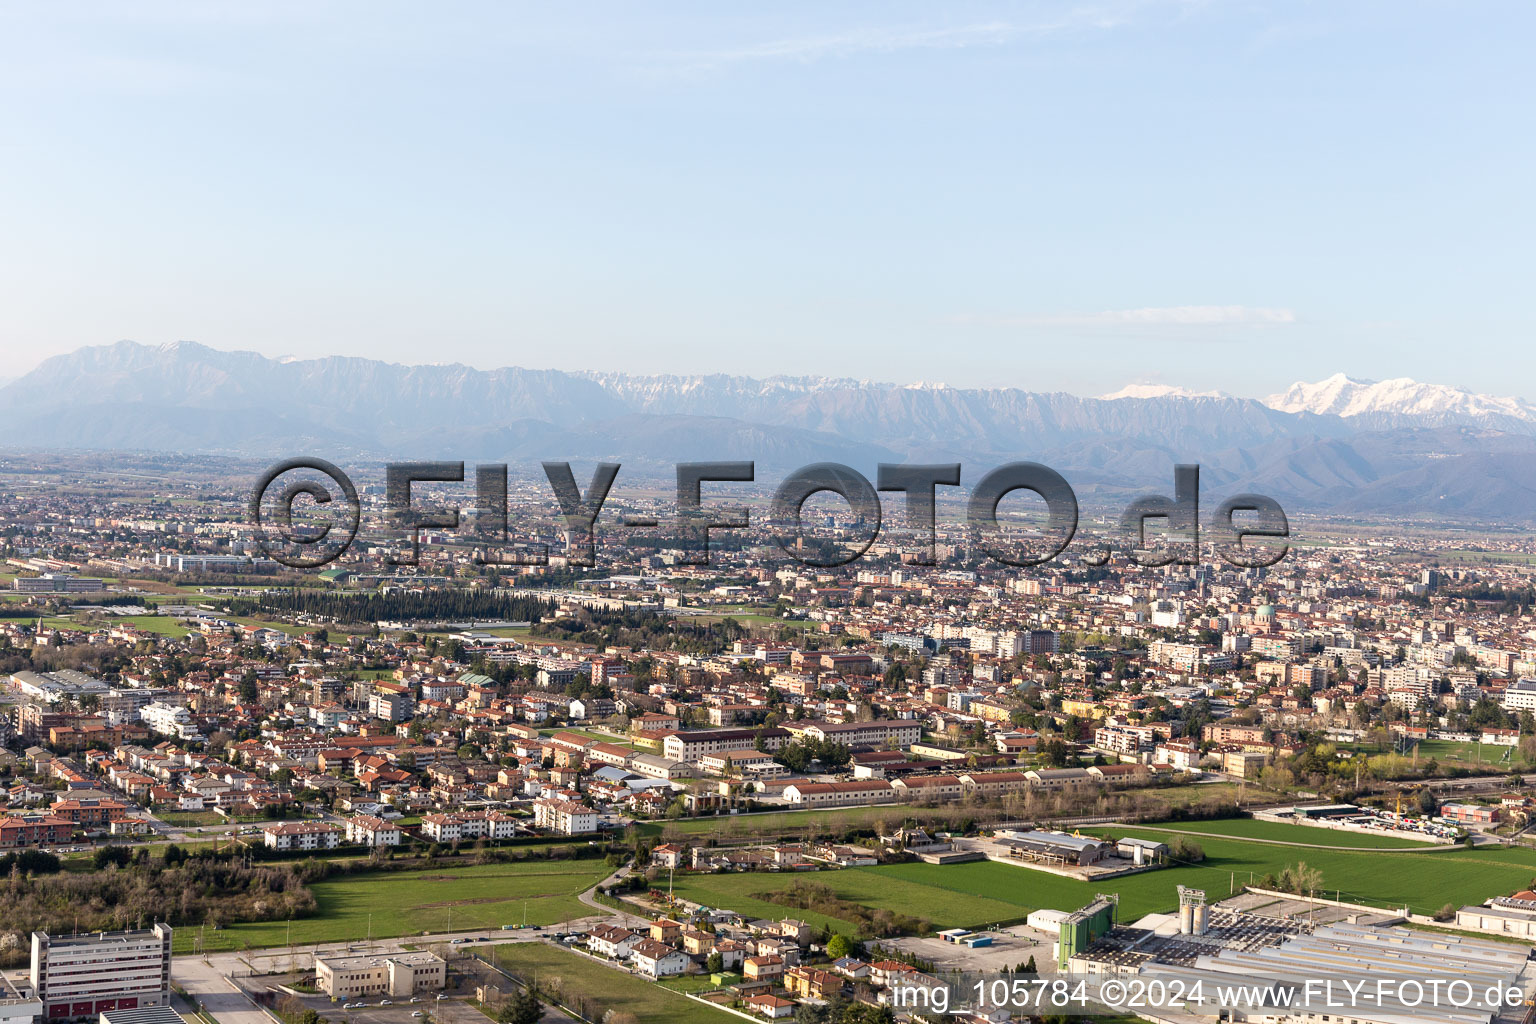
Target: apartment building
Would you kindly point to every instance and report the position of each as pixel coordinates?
(369, 830)
(302, 835)
(565, 817)
(35, 830)
(883, 733)
(693, 744)
(84, 975)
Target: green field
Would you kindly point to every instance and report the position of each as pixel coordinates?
(163, 624)
(604, 986)
(1488, 754)
(980, 893)
(596, 737)
(1248, 828)
(838, 819)
(191, 819)
(1468, 555)
(410, 903)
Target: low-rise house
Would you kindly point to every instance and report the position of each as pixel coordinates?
(657, 959)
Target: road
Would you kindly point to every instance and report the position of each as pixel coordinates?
(206, 984)
(625, 919)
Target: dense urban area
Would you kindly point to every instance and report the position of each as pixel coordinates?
(651, 790)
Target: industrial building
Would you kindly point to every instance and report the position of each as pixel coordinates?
(1056, 848)
(1082, 928)
(1237, 966)
(1345, 953)
(383, 974)
(18, 1006)
(85, 975)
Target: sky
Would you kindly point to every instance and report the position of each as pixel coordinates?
(1055, 196)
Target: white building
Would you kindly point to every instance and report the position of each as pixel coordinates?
(302, 835)
(368, 830)
(1520, 696)
(386, 974)
(169, 720)
(84, 975)
(565, 817)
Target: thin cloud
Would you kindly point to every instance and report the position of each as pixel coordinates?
(888, 39)
(1152, 316)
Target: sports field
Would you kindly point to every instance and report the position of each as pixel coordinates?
(1489, 755)
(984, 892)
(604, 986)
(413, 902)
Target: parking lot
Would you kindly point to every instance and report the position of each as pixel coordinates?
(1011, 947)
(453, 1008)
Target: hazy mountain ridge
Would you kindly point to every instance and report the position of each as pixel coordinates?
(1337, 444)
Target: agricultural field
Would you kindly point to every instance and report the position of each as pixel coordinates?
(609, 988)
(980, 893)
(1275, 831)
(392, 903)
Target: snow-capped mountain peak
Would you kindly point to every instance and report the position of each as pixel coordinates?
(1159, 391)
(1403, 398)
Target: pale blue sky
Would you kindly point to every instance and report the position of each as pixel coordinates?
(1053, 196)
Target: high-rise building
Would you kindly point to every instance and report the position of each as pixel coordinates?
(84, 975)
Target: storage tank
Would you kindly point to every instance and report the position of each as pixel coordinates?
(1202, 919)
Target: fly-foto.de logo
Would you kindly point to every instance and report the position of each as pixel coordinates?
(1246, 530)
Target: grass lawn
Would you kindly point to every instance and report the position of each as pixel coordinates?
(1248, 828)
(163, 624)
(281, 627)
(1489, 754)
(596, 737)
(609, 988)
(980, 893)
(1421, 880)
(188, 819)
(409, 903)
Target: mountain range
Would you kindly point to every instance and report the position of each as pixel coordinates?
(1341, 444)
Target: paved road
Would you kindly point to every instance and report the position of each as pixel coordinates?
(623, 918)
(205, 983)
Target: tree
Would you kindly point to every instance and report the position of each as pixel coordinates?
(522, 1008)
(839, 946)
(715, 964)
(1185, 850)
